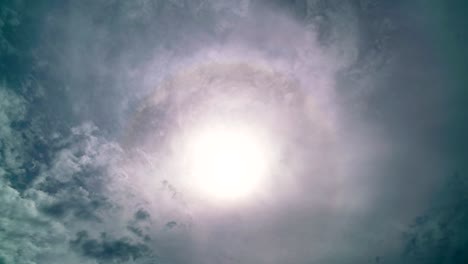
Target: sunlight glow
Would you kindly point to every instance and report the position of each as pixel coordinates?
(227, 163)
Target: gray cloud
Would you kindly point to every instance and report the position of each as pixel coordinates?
(106, 249)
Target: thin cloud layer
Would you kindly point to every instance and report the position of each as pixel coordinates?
(95, 100)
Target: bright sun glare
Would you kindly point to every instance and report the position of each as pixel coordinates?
(226, 163)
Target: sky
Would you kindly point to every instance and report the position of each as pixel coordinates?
(359, 108)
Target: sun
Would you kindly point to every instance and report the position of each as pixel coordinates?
(227, 162)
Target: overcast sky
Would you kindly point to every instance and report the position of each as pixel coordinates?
(363, 104)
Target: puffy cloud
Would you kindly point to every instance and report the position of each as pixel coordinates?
(27, 236)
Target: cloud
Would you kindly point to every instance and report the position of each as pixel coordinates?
(12, 111)
(98, 182)
(27, 236)
(107, 249)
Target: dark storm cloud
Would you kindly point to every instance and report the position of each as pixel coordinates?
(72, 75)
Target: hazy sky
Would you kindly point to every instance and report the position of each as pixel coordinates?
(361, 107)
